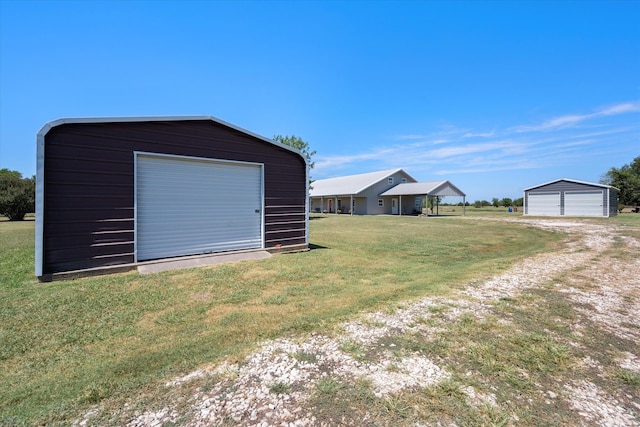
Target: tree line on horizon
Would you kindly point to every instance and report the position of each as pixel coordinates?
(17, 194)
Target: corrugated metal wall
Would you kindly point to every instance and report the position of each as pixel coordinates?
(613, 202)
(88, 181)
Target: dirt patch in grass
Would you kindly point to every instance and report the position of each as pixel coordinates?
(551, 341)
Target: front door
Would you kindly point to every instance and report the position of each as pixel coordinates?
(330, 206)
(394, 206)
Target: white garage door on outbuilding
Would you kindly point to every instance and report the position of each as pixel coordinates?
(583, 203)
(190, 206)
(544, 204)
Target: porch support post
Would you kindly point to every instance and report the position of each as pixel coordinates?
(321, 204)
(426, 206)
(400, 207)
(351, 205)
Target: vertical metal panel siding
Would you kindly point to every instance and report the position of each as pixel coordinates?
(613, 201)
(88, 177)
(190, 206)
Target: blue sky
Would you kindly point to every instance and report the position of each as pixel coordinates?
(495, 96)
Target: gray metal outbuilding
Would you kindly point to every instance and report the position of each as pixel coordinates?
(114, 192)
(568, 197)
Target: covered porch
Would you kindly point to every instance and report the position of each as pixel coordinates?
(348, 204)
(409, 198)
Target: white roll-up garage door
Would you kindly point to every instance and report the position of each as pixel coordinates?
(583, 203)
(188, 206)
(543, 204)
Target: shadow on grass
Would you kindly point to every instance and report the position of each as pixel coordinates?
(314, 247)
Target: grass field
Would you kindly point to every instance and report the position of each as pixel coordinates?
(69, 345)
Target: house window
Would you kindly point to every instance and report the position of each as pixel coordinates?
(390, 179)
(380, 203)
(340, 204)
(418, 203)
(403, 180)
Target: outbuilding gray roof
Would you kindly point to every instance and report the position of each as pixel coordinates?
(350, 185)
(432, 188)
(593, 184)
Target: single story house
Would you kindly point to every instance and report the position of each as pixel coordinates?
(114, 192)
(568, 197)
(391, 192)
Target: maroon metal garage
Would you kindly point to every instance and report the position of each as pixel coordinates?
(113, 192)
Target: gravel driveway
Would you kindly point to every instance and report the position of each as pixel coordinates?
(274, 385)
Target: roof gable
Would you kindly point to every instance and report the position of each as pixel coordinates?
(575, 181)
(432, 188)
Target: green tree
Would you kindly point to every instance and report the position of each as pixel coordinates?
(627, 180)
(433, 203)
(300, 145)
(506, 202)
(495, 202)
(518, 202)
(481, 204)
(17, 195)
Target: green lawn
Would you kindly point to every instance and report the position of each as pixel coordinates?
(68, 345)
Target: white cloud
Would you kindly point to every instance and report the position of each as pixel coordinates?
(340, 161)
(628, 107)
(574, 119)
(479, 134)
(557, 142)
(405, 137)
(602, 133)
(461, 150)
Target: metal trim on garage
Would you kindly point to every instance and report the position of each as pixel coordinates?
(190, 205)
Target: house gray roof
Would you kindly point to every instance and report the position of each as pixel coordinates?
(350, 185)
(432, 188)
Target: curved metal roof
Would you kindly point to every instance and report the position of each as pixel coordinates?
(123, 119)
